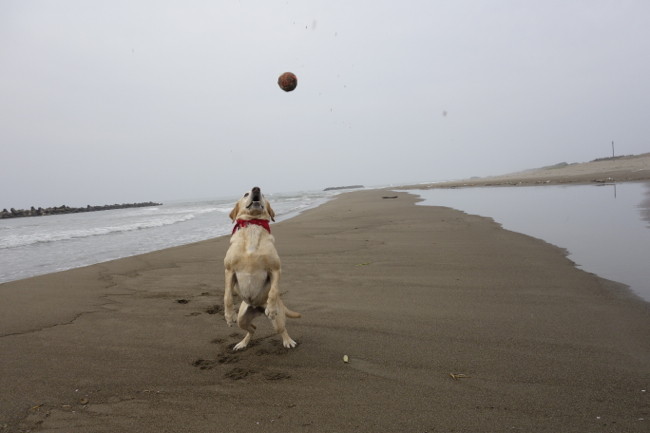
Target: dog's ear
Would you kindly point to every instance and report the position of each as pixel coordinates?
(270, 210)
(234, 212)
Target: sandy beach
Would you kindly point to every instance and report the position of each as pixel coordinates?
(450, 323)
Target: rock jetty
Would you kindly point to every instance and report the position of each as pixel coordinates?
(333, 188)
(13, 213)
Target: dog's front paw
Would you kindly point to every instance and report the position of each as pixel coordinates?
(271, 311)
(231, 317)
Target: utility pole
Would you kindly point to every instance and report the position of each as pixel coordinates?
(612, 149)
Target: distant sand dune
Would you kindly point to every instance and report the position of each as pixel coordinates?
(619, 169)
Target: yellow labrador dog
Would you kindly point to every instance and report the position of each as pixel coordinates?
(253, 269)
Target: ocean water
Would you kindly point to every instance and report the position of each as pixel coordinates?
(605, 228)
(40, 245)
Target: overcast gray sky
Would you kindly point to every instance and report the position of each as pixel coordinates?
(123, 101)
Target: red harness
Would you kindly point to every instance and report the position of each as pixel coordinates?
(245, 223)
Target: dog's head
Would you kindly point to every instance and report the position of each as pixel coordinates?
(253, 205)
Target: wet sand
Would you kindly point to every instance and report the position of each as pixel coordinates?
(412, 294)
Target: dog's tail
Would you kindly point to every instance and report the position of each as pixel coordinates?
(291, 314)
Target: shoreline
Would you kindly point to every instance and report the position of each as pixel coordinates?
(225, 227)
(603, 233)
(140, 342)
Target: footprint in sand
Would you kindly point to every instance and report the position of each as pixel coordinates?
(239, 373)
(228, 357)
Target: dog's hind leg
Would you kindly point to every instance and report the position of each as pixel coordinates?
(245, 322)
(287, 341)
(278, 323)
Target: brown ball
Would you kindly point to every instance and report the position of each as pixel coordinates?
(287, 81)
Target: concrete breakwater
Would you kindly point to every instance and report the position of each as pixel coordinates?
(13, 213)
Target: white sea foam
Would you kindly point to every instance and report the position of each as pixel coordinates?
(21, 240)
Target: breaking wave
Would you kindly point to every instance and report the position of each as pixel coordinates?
(14, 241)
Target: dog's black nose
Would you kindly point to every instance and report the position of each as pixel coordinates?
(256, 194)
(256, 189)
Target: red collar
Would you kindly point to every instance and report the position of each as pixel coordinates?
(244, 223)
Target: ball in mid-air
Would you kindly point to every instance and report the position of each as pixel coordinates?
(287, 81)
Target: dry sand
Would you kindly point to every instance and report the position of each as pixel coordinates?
(410, 293)
(619, 169)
